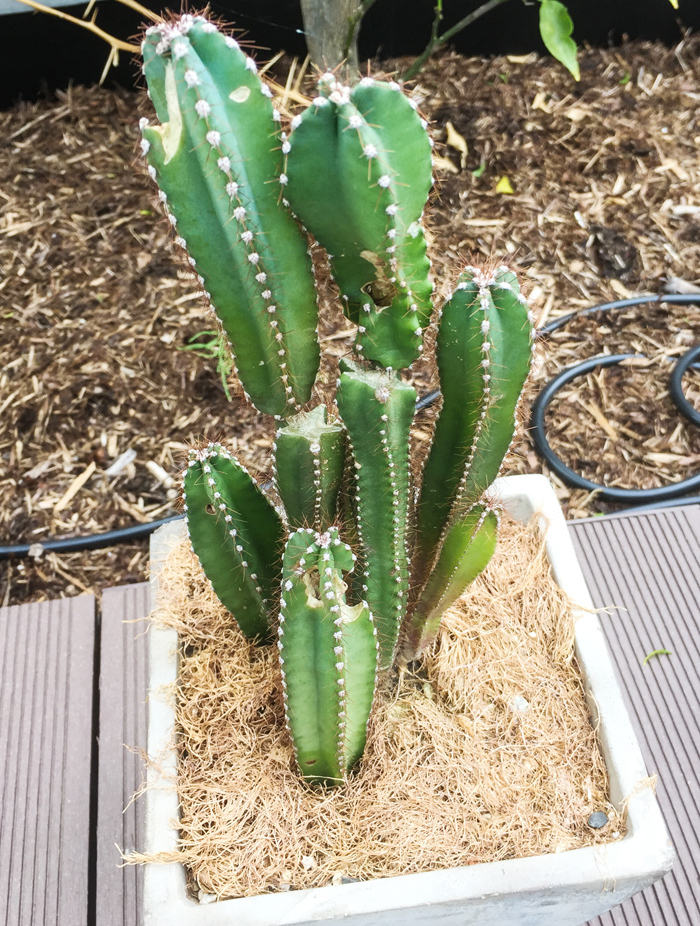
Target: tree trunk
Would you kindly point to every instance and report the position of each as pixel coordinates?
(331, 28)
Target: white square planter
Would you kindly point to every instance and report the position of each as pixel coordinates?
(563, 889)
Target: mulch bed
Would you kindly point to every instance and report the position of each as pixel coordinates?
(96, 303)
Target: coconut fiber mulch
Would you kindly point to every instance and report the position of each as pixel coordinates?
(98, 399)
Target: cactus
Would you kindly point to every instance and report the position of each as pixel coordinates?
(328, 656)
(345, 569)
(237, 535)
(217, 158)
(364, 153)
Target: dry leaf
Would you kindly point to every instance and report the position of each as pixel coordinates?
(504, 186)
(456, 141)
(444, 164)
(540, 102)
(620, 289)
(523, 59)
(74, 487)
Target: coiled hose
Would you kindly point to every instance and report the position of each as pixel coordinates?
(664, 496)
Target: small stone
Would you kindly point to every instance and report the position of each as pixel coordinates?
(597, 820)
(519, 704)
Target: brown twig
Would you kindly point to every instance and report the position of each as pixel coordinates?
(90, 26)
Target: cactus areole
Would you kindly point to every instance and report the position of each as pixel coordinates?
(354, 569)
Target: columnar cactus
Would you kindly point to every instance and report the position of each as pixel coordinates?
(217, 158)
(328, 656)
(355, 568)
(365, 154)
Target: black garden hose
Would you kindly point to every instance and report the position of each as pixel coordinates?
(676, 384)
(652, 497)
(640, 498)
(89, 542)
(567, 475)
(562, 320)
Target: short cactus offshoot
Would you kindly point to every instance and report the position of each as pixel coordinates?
(356, 567)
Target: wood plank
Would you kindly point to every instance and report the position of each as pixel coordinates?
(46, 736)
(121, 771)
(649, 565)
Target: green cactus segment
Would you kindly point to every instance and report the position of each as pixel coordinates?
(328, 657)
(377, 410)
(309, 460)
(237, 535)
(469, 545)
(483, 356)
(359, 169)
(217, 157)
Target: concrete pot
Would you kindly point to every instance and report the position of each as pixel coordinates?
(563, 889)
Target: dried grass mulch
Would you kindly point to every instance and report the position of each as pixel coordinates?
(95, 303)
(489, 755)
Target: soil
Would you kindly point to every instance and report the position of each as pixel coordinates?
(97, 304)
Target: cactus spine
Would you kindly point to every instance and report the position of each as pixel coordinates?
(356, 169)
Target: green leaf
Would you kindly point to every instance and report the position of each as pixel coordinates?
(214, 349)
(656, 652)
(626, 79)
(480, 169)
(556, 27)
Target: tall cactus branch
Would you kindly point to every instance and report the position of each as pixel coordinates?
(484, 347)
(217, 158)
(377, 410)
(366, 152)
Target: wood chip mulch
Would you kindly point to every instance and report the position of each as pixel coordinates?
(98, 401)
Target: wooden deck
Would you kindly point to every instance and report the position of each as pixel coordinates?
(73, 698)
(72, 694)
